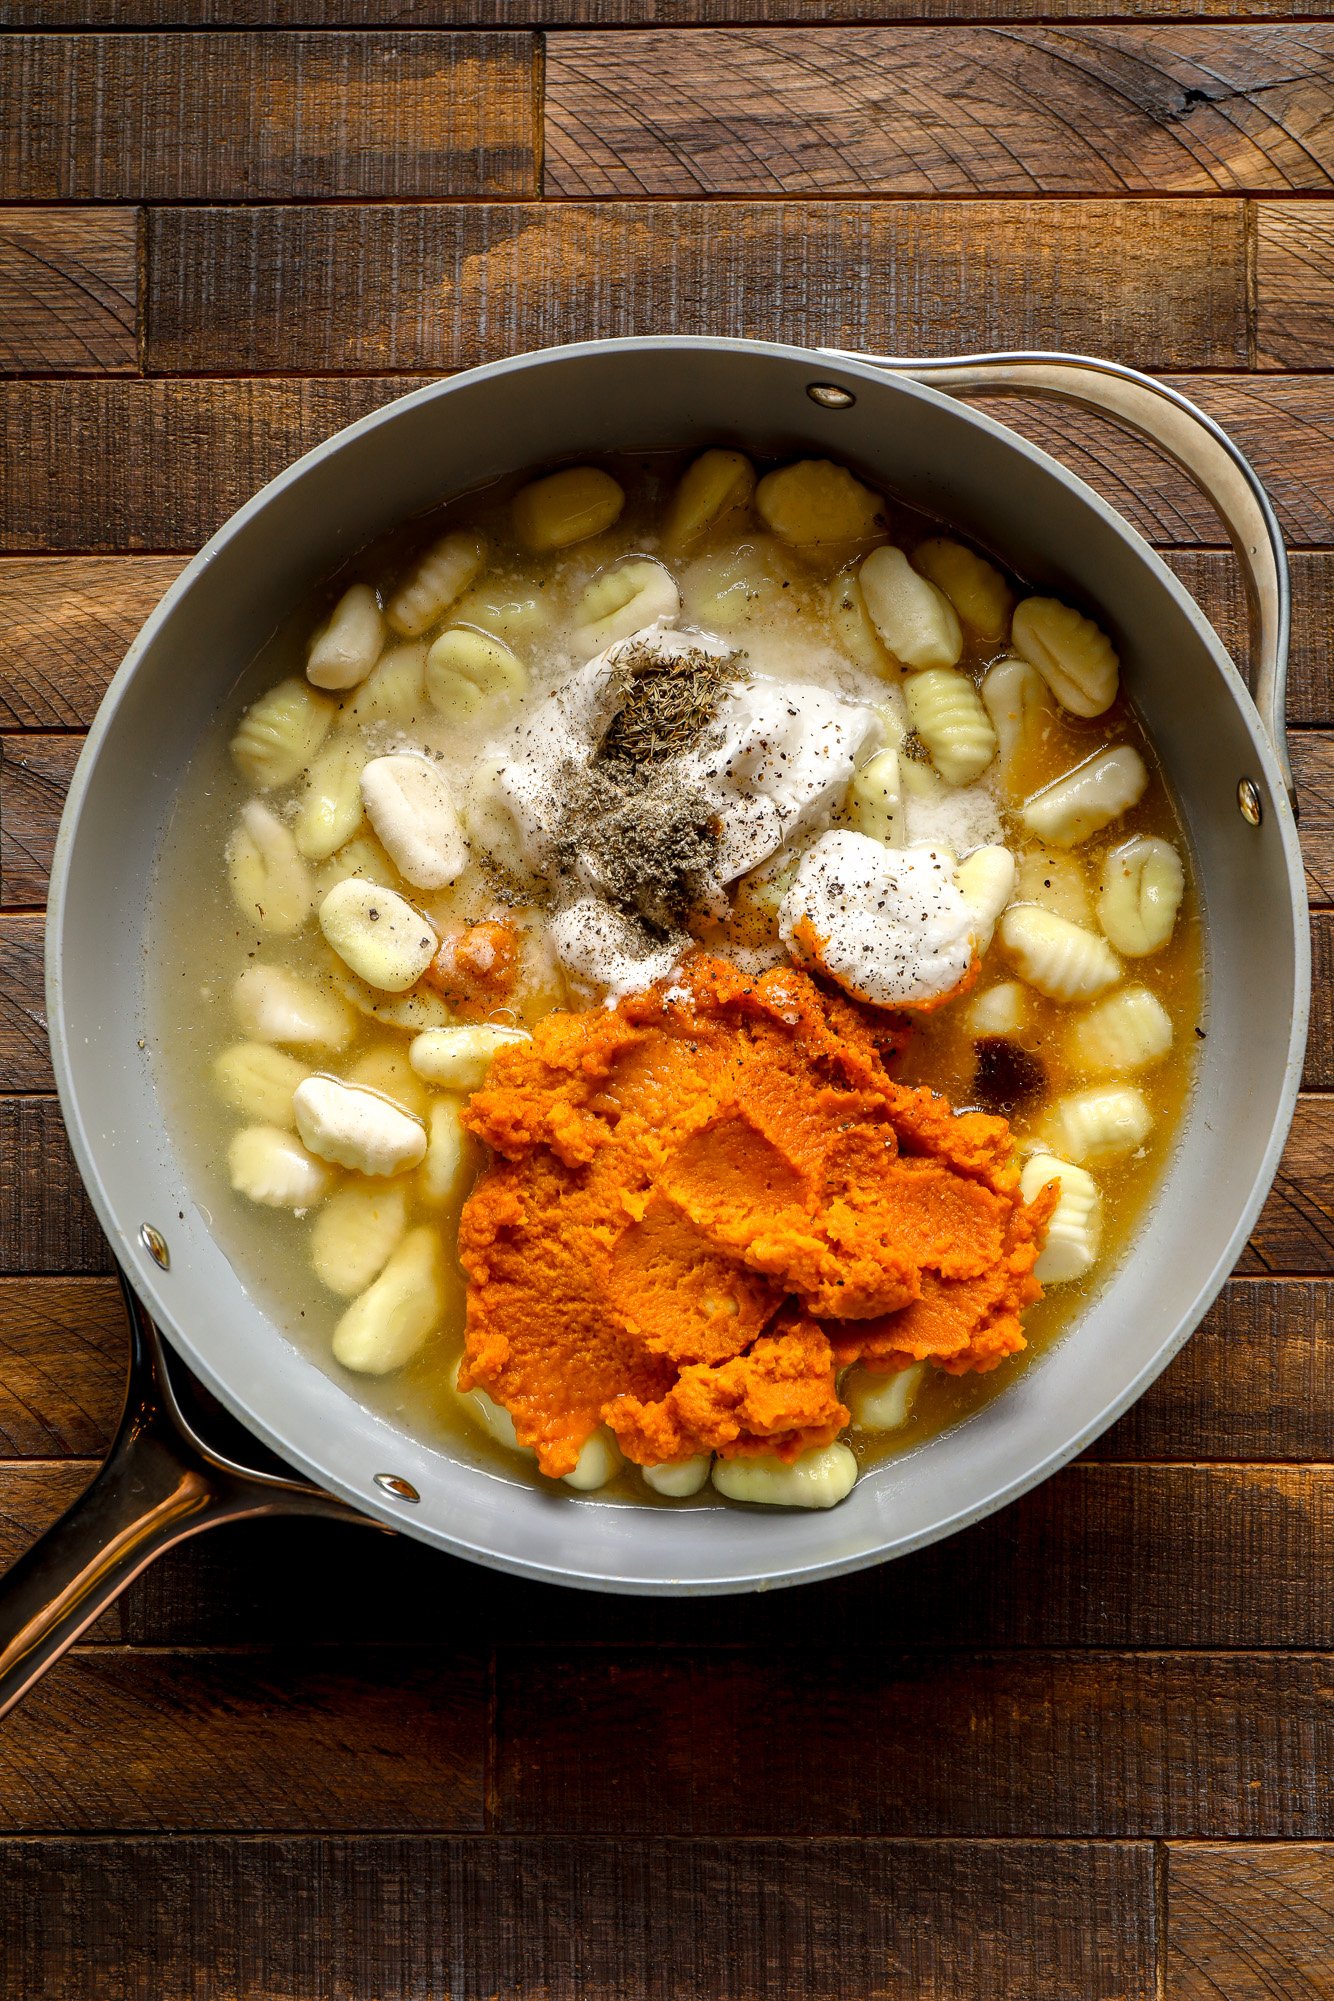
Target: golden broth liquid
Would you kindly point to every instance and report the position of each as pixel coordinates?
(782, 612)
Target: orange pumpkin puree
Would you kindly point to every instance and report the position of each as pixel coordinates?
(706, 1201)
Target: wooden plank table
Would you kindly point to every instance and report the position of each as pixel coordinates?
(1081, 1751)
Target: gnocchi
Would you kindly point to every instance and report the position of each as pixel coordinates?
(259, 1081)
(1089, 798)
(1060, 959)
(1102, 1123)
(398, 1312)
(377, 933)
(394, 691)
(280, 733)
(356, 1128)
(1130, 1030)
(882, 1402)
(678, 1479)
(717, 486)
(1140, 894)
(599, 1461)
(948, 715)
(410, 806)
(330, 811)
(820, 1478)
(355, 1234)
(451, 1160)
(1074, 1231)
(917, 622)
(1017, 700)
(1000, 1010)
(437, 579)
(986, 881)
(271, 885)
(975, 587)
(622, 601)
(875, 800)
(270, 1166)
(469, 672)
(347, 646)
(490, 1416)
(274, 1004)
(1073, 655)
(566, 507)
(815, 503)
(459, 1058)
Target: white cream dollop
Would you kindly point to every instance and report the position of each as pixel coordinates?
(889, 924)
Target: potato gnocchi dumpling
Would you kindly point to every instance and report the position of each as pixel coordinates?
(819, 664)
(975, 587)
(917, 623)
(1140, 894)
(1074, 656)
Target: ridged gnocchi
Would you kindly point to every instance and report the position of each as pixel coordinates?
(330, 810)
(394, 691)
(1087, 799)
(356, 1233)
(975, 587)
(1055, 879)
(347, 646)
(1074, 656)
(399, 1311)
(435, 582)
(717, 486)
(271, 885)
(280, 733)
(881, 1402)
(917, 623)
(356, 1128)
(875, 800)
(270, 1166)
(852, 628)
(820, 1478)
(459, 1058)
(1018, 701)
(1074, 1230)
(1130, 1030)
(565, 508)
(377, 933)
(469, 672)
(259, 1081)
(1060, 959)
(409, 803)
(1140, 894)
(948, 715)
(274, 1004)
(623, 600)
(815, 503)
(985, 879)
(1103, 1123)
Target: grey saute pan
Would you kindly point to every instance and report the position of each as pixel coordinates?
(1223, 750)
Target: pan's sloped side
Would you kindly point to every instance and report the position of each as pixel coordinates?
(943, 458)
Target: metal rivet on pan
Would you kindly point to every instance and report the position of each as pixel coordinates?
(1249, 800)
(155, 1244)
(402, 1490)
(829, 396)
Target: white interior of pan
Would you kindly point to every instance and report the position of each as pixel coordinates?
(637, 395)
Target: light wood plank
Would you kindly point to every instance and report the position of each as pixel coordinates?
(654, 1920)
(69, 287)
(63, 1349)
(35, 772)
(266, 117)
(444, 287)
(923, 111)
(1294, 321)
(1249, 1923)
(111, 1740)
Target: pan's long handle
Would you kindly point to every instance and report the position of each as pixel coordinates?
(1194, 442)
(159, 1485)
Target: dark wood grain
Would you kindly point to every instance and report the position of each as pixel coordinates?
(1249, 1923)
(63, 1350)
(444, 287)
(160, 464)
(1294, 318)
(276, 1739)
(35, 772)
(25, 1062)
(266, 117)
(598, 13)
(46, 1221)
(927, 111)
(1106, 1556)
(1214, 579)
(711, 1920)
(1295, 1232)
(857, 1738)
(68, 621)
(69, 289)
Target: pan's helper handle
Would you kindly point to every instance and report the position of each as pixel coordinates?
(159, 1485)
(1194, 442)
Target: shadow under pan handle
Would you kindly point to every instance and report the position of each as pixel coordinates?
(1184, 434)
(160, 1484)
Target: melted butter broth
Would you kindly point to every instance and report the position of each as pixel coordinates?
(791, 620)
